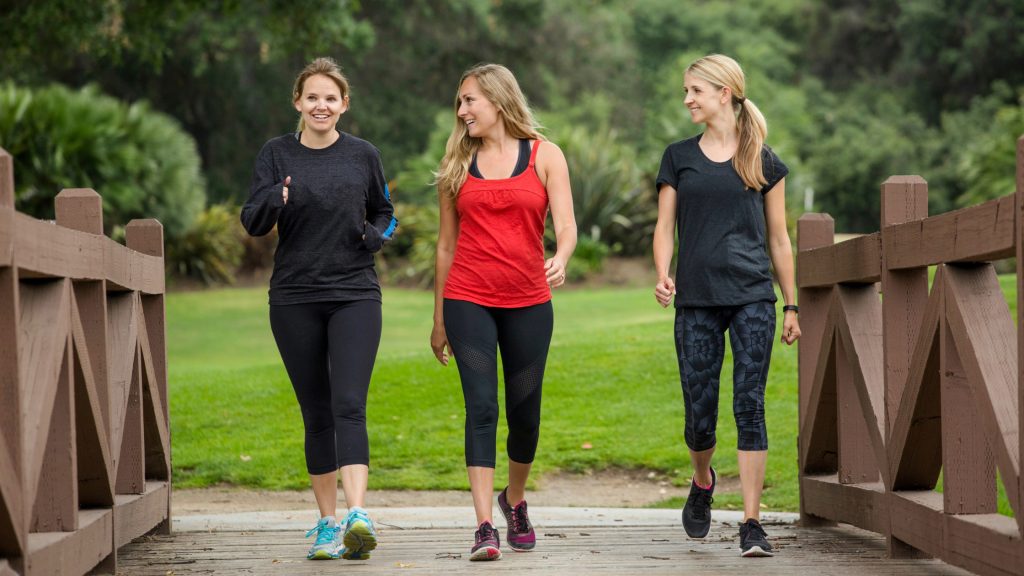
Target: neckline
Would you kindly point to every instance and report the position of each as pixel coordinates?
(520, 175)
(296, 135)
(707, 158)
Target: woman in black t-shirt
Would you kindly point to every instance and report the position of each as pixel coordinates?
(725, 192)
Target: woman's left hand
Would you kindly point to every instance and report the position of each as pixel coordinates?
(790, 328)
(554, 269)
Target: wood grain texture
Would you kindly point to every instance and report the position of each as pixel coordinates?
(977, 234)
(856, 261)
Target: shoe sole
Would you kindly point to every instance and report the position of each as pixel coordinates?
(359, 541)
(520, 548)
(756, 552)
(695, 534)
(321, 555)
(485, 553)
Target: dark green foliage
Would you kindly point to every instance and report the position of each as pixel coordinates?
(139, 160)
(212, 248)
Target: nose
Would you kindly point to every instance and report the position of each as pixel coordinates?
(462, 110)
(687, 99)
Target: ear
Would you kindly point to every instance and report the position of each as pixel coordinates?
(298, 106)
(726, 95)
(344, 105)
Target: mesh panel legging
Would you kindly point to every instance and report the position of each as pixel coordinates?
(523, 334)
(328, 349)
(700, 348)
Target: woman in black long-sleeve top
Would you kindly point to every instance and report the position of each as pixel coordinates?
(325, 191)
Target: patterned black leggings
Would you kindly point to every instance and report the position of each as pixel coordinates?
(700, 348)
(475, 333)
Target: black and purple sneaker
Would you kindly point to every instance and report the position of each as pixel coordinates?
(520, 535)
(486, 545)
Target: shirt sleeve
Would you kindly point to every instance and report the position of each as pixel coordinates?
(380, 224)
(773, 169)
(260, 212)
(667, 173)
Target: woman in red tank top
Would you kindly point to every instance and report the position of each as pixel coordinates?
(497, 181)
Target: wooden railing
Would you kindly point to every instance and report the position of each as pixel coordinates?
(84, 430)
(899, 383)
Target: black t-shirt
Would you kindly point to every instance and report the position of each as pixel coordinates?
(337, 195)
(722, 253)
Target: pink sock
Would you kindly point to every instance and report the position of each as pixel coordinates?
(702, 487)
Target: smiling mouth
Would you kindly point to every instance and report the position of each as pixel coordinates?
(321, 116)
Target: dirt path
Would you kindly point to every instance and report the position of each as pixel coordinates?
(610, 488)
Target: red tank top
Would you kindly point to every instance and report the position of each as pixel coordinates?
(499, 254)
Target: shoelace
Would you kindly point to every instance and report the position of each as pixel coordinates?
(700, 502)
(486, 532)
(757, 529)
(519, 521)
(324, 533)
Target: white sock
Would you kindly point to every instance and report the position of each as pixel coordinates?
(331, 522)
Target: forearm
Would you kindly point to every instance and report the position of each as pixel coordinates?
(260, 213)
(443, 263)
(782, 259)
(565, 242)
(664, 245)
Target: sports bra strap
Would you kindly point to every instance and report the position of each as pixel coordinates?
(533, 153)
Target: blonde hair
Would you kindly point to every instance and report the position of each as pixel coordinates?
(721, 71)
(499, 86)
(325, 67)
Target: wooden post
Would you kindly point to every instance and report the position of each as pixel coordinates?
(147, 236)
(82, 209)
(904, 298)
(904, 292)
(1019, 239)
(813, 231)
(13, 516)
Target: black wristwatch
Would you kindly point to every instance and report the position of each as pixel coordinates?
(792, 307)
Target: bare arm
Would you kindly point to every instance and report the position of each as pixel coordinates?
(664, 244)
(554, 172)
(447, 235)
(781, 252)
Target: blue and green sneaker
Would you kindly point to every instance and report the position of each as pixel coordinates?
(326, 545)
(360, 537)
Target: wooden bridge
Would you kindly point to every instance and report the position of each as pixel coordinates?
(902, 379)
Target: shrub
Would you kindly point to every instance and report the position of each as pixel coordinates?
(140, 161)
(211, 250)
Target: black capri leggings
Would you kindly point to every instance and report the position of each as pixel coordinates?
(328, 349)
(524, 334)
(700, 347)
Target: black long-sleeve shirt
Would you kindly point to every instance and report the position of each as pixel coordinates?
(337, 195)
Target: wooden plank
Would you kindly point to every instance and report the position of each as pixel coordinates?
(90, 330)
(904, 199)
(818, 441)
(977, 234)
(122, 340)
(135, 515)
(12, 519)
(10, 395)
(128, 270)
(969, 472)
(859, 327)
(1019, 227)
(863, 505)
(983, 543)
(591, 551)
(41, 344)
(6, 235)
(856, 457)
(6, 569)
(46, 250)
(56, 501)
(72, 552)
(154, 311)
(157, 437)
(916, 519)
(95, 469)
(984, 334)
(915, 441)
(856, 261)
(130, 477)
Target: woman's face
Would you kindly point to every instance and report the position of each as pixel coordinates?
(321, 104)
(479, 114)
(703, 100)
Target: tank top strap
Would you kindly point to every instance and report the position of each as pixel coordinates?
(533, 153)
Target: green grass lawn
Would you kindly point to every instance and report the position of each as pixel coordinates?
(612, 383)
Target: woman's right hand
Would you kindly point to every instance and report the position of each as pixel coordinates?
(664, 290)
(439, 343)
(284, 189)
